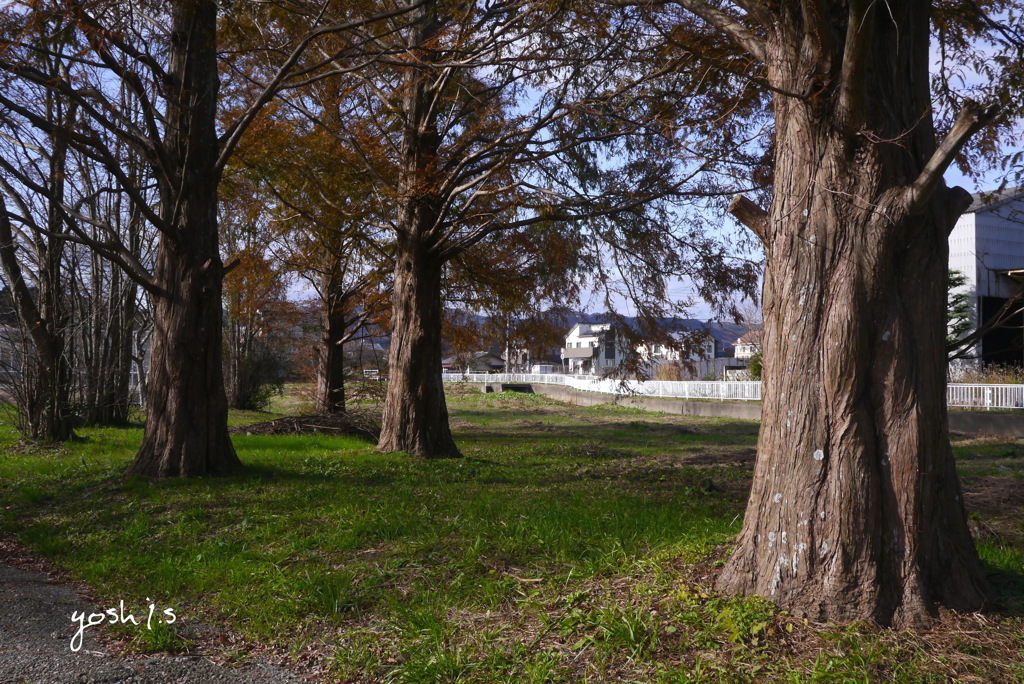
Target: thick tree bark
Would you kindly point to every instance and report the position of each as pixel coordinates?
(415, 416)
(186, 412)
(856, 510)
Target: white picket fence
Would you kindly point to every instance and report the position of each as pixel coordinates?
(957, 395)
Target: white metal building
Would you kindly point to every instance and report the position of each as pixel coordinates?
(987, 246)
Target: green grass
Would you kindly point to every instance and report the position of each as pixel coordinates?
(990, 457)
(571, 544)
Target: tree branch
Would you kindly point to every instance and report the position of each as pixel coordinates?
(729, 25)
(852, 80)
(752, 216)
(756, 9)
(26, 307)
(1011, 307)
(971, 119)
(112, 250)
(232, 136)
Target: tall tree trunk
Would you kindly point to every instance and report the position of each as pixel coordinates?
(50, 335)
(46, 395)
(330, 394)
(415, 416)
(119, 399)
(856, 510)
(186, 412)
(113, 397)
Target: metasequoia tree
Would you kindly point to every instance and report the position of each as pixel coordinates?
(488, 119)
(186, 427)
(33, 247)
(323, 228)
(108, 308)
(165, 55)
(855, 510)
(83, 308)
(258, 317)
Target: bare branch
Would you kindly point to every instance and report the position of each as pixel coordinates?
(1013, 306)
(27, 308)
(231, 137)
(111, 249)
(971, 119)
(729, 25)
(752, 216)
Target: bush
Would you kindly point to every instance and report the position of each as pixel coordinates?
(993, 373)
(755, 365)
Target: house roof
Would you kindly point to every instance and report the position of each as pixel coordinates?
(579, 353)
(993, 199)
(585, 329)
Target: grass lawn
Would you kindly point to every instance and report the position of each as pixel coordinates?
(570, 544)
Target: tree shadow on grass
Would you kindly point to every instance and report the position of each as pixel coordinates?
(266, 474)
(1009, 589)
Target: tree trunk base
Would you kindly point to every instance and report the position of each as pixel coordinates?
(173, 458)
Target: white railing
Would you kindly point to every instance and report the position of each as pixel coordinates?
(957, 395)
(985, 396)
(722, 391)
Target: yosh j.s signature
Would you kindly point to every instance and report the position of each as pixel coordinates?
(115, 616)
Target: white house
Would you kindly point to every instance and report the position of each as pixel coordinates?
(748, 345)
(592, 348)
(987, 246)
(659, 353)
(596, 348)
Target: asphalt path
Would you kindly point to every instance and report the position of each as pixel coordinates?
(36, 632)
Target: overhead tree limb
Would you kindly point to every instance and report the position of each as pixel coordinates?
(117, 254)
(231, 137)
(723, 21)
(972, 118)
(756, 9)
(94, 148)
(729, 25)
(752, 216)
